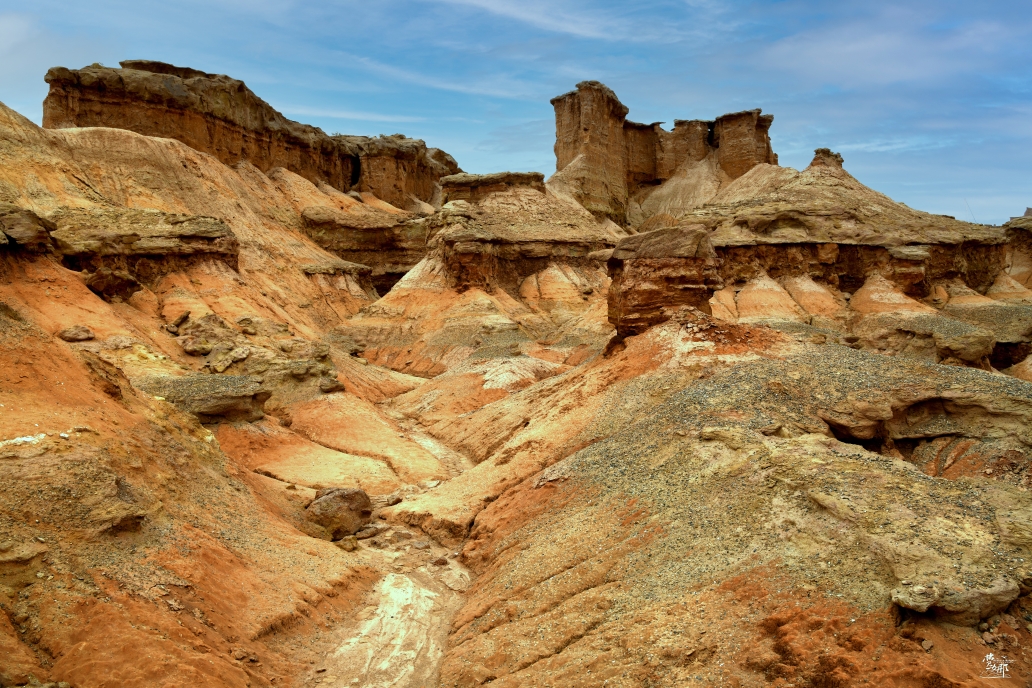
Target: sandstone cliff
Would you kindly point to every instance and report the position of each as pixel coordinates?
(221, 116)
(610, 164)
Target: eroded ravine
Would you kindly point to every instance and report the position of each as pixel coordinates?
(399, 635)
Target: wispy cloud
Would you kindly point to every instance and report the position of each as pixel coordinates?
(347, 114)
(535, 135)
(14, 31)
(895, 145)
(548, 16)
(586, 20)
(28, 47)
(498, 85)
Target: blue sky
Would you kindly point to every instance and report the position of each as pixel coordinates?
(928, 101)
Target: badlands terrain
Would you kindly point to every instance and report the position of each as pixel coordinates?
(279, 408)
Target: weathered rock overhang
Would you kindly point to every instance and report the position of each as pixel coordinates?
(390, 244)
(120, 249)
(489, 264)
(476, 187)
(496, 230)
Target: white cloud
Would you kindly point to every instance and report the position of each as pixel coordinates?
(893, 145)
(549, 16)
(28, 50)
(15, 31)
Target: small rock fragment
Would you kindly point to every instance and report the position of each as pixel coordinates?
(348, 543)
(440, 561)
(328, 385)
(370, 531)
(927, 645)
(76, 333)
(112, 284)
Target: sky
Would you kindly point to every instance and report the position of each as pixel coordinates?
(929, 101)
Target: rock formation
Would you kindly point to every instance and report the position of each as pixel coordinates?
(606, 161)
(826, 251)
(510, 263)
(390, 242)
(219, 115)
(768, 427)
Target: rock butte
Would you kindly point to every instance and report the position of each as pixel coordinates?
(279, 408)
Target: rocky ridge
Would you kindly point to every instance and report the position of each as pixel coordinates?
(221, 116)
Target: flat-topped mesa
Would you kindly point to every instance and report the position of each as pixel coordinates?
(221, 116)
(604, 160)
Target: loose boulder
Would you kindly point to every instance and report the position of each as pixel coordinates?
(341, 511)
(76, 333)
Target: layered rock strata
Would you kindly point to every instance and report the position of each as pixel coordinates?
(221, 116)
(510, 263)
(819, 248)
(498, 229)
(400, 170)
(391, 243)
(119, 249)
(605, 159)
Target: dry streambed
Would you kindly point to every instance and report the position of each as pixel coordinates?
(400, 636)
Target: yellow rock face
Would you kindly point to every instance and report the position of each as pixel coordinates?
(878, 295)
(763, 298)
